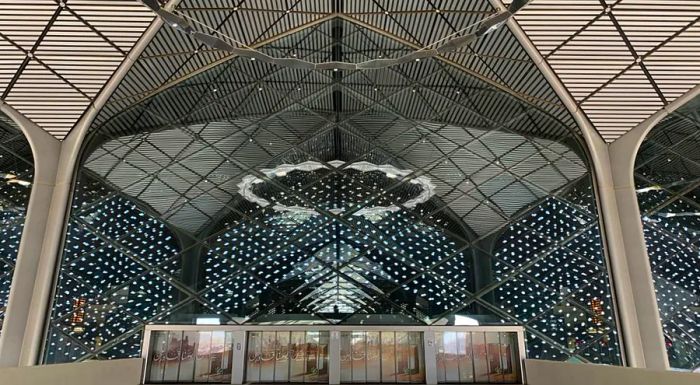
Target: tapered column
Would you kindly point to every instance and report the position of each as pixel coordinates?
(46, 150)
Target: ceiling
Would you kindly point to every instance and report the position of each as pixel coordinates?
(183, 151)
(55, 56)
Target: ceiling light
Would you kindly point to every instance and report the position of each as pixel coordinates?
(650, 188)
(208, 321)
(461, 320)
(19, 182)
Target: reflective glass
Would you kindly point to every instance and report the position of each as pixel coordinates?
(287, 357)
(468, 357)
(277, 196)
(190, 357)
(381, 357)
(667, 176)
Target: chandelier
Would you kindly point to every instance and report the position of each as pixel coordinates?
(310, 188)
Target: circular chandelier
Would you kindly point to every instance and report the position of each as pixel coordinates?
(421, 186)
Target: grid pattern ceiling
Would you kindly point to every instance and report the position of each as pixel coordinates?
(428, 116)
(622, 60)
(617, 70)
(56, 56)
(172, 57)
(511, 191)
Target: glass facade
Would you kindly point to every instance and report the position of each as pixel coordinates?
(16, 175)
(417, 194)
(667, 171)
(190, 357)
(477, 357)
(289, 356)
(374, 357)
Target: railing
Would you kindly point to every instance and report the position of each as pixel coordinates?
(333, 354)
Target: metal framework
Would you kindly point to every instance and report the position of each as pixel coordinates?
(179, 154)
(513, 182)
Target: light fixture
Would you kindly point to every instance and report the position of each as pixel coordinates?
(208, 321)
(246, 187)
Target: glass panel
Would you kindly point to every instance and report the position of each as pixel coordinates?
(188, 356)
(298, 356)
(172, 355)
(227, 359)
(481, 365)
(440, 356)
(159, 347)
(493, 352)
(388, 357)
(451, 357)
(464, 352)
(254, 356)
(373, 355)
(509, 359)
(217, 359)
(403, 367)
(322, 365)
(346, 357)
(267, 364)
(359, 357)
(312, 362)
(416, 366)
(282, 357)
(201, 365)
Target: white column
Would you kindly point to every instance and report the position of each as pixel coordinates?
(628, 310)
(54, 205)
(430, 357)
(334, 358)
(46, 150)
(239, 357)
(622, 156)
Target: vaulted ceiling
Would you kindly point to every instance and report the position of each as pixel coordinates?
(621, 60)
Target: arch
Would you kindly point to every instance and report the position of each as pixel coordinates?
(665, 175)
(490, 162)
(26, 181)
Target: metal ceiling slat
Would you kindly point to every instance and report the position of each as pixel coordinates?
(578, 39)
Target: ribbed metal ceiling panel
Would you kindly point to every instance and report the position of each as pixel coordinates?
(616, 67)
(621, 60)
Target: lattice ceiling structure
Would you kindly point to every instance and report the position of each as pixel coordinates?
(502, 157)
(55, 56)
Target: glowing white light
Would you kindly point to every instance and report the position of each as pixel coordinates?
(245, 187)
(208, 321)
(462, 320)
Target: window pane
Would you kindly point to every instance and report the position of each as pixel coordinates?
(254, 363)
(282, 357)
(388, 357)
(298, 354)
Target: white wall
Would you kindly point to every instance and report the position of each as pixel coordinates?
(540, 372)
(113, 372)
